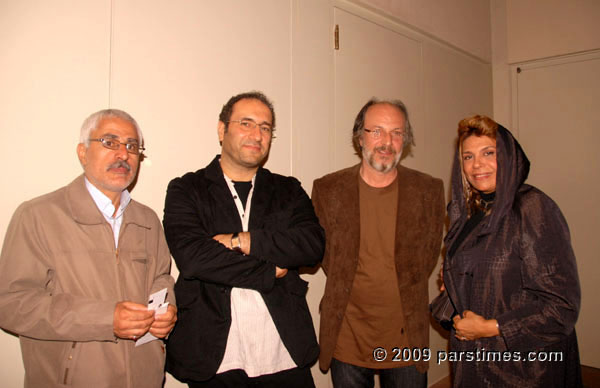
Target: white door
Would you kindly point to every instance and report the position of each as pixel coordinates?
(372, 61)
(558, 120)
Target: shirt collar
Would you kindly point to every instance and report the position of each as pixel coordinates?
(104, 203)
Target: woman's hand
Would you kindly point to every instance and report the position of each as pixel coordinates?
(473, 326)
(441, 277)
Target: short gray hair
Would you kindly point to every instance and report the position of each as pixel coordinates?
(359, 123)
(91, 123)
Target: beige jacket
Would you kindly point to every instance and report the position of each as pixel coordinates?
(60, 278)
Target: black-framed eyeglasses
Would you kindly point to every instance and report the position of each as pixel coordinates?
(249, 124)
(113, 144)
(376, 133)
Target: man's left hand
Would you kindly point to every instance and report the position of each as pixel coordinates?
(163, 323)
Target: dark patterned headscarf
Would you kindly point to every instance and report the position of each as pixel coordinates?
(512, 171)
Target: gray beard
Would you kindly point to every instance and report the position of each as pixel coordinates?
(381, 167)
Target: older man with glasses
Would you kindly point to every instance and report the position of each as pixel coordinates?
(79, 265)
(384, 231)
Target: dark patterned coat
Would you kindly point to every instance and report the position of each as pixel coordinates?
(518, 267)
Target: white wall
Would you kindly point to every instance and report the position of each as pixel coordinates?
(172, 65)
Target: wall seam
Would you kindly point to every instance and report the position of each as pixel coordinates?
(110, 48)
(292, 132)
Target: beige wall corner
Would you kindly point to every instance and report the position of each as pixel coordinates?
(549, 28)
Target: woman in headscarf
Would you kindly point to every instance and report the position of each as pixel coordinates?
(510, 271)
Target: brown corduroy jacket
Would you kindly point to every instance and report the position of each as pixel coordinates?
(419, 225)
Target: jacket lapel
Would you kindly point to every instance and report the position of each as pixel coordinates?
(83, 208)
(406, 216)
(346, 211)
(261, 198)
(227, 218)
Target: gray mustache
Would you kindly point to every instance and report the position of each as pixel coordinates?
(119, 164)
(387, 148)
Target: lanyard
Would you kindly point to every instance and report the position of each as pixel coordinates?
(244, 215)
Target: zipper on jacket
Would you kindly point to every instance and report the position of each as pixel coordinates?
(121, 286)
(67, 369)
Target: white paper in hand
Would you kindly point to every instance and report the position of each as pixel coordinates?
(157, 303)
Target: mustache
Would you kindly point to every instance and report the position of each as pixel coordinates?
(386, 148)
(119, 164)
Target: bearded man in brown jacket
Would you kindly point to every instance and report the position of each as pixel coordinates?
(78, 266)
(383, 224)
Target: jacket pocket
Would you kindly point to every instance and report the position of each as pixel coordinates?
(294, 284)
(187, 291)
(134, 276)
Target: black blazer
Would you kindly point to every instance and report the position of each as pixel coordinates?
(285, 232)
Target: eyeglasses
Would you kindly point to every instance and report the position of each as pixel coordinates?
(396, 134)
(249, 124)
(114, 144)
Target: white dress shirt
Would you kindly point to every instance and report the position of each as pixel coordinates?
(107, 208)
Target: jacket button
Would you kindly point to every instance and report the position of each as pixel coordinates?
(401, 330)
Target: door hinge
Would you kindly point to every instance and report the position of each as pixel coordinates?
(336, 37)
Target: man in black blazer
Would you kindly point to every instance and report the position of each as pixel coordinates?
(238, 234)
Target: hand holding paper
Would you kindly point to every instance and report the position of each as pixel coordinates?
(131, 320)
(164, 317)
(164, 322)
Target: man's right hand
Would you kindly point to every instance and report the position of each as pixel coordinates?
(131, 320)
(280, 272)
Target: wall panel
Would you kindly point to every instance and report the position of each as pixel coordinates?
(54, 58)
(175, 64)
